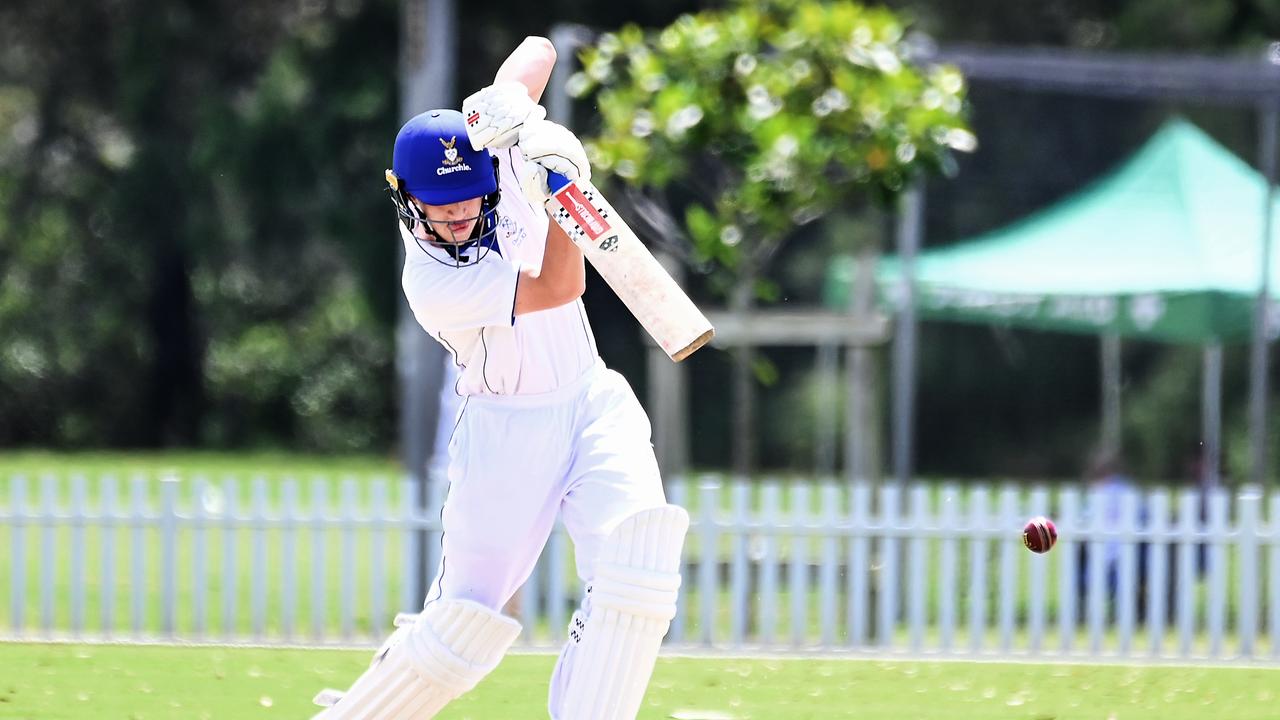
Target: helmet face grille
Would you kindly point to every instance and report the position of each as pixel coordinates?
(483, 238)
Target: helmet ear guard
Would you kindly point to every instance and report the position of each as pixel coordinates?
(483, 234)
(410, 214)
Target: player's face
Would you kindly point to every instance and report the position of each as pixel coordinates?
(454, 221)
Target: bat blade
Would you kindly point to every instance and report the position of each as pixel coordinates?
(631, 271)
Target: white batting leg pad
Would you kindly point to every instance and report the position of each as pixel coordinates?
(426, 663)
(632, 600)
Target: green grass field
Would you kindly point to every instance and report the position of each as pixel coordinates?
(68, 682)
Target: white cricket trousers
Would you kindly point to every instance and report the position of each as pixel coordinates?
(582, 451)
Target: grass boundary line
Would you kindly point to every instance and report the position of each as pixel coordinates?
(696, 652)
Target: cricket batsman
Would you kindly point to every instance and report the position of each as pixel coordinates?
(544, 428)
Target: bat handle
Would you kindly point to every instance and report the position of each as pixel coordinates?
(556, 181)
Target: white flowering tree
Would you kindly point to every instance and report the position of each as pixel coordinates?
(766, 116)
(752, 121)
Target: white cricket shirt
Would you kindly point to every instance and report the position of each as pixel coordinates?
(469, 309)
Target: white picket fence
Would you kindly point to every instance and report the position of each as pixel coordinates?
(770, 566)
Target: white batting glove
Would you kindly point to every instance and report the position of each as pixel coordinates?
(534, 182)
(549, 146)
(495, 115)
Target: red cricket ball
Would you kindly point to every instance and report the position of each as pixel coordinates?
(1039, 534)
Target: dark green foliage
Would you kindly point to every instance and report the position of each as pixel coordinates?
(191, 252)
(768, 115)
(194, 249)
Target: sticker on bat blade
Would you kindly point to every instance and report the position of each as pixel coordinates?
(609, 244)
(581, 212)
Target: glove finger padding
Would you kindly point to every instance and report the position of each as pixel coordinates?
(535, 184)
(555, 148)
(496, 114)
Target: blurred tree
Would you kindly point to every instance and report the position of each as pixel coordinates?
(194, 248)
(767, 116)
(181, 184)
(759, 119)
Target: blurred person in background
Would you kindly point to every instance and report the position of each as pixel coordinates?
(1107, 485)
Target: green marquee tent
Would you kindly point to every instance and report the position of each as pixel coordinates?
(1166, 247)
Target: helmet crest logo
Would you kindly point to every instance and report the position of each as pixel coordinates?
(450, 152)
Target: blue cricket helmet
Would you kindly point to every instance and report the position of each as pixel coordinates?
(433, 160)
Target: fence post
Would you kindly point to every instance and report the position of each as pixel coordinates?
(258, 580)
(739, 572)
(1273, 591)
(1188, 512)
(770, 498)
(1158, 571)
(410, 518)
(348, 577)
(18, 553)
(830, 501)
(379, 515)
(917, 592)
(79, 518)
(708, 558)
(1036, 572)
(798, 568)
(859, 564)
(1126, 596)
(1217, 616)
(319, 532)
(201, 496)
(48, 549)
(1248, 505)
(138, 551)
(230, 579)
(1095, 569)
(290, 512)
(108, 491)
(887, 607)
(1009, 544)
(978, 567)
(168, 555)
(678, 494)
(949, 520)
(1069, 523)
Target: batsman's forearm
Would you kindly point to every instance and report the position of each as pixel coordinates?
(564, 261)
(561, 280)
(529, 64)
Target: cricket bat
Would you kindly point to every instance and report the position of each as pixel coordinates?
(632, 272)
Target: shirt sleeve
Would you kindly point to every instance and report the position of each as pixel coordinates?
(531, 219)
(448, 298)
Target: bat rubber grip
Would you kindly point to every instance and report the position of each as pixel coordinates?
(556, 181)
